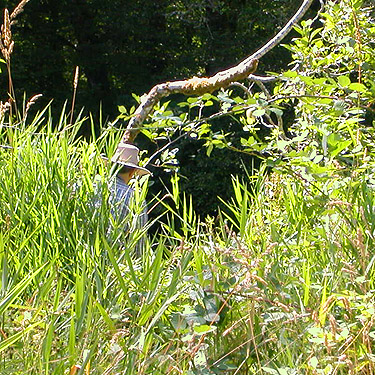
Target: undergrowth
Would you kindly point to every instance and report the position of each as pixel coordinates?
(281, 282)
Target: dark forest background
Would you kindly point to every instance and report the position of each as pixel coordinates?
(124, 47)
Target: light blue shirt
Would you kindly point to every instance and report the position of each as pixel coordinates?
(120, 201)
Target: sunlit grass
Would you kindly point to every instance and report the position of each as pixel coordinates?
(281, 282)
(282, 279)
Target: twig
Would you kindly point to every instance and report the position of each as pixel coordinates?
(264, 89)
(282, 33)
(164, 148)
(243, 87)
(255, 78)
(280, 123)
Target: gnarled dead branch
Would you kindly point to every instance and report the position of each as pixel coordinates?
(200, 86)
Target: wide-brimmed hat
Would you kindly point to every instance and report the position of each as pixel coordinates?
(128, 156)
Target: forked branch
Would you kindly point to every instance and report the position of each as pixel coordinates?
(200, 86)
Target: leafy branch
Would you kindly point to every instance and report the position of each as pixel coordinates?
(200, 86)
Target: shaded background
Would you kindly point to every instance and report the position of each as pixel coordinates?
(124, 47)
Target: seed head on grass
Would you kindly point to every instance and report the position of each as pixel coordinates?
(18, 9)
(333, 325)
(31, 101)
(3, 108)
(328, 304)
(6, 42)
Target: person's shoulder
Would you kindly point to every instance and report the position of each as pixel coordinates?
(120, 185)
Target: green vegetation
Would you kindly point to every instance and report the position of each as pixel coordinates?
(280, 282)
(124, 47)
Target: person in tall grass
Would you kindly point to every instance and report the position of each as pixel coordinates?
(127, 158)
(126, 205)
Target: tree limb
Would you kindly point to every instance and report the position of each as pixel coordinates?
(200, 86)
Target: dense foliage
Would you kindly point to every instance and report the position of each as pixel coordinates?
(125, 47)
(281, 282)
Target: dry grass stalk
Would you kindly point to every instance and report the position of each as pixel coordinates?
(76, 75)
(6, 32)
(75, 85)
(315, 318)
(32, 101)
(328, 304)
(346, 303)
(18, 9)
(7, 45)
(333, 325)
(339, 203)
(7, 222)
(6, 42)
(359, 243)
(327, 344)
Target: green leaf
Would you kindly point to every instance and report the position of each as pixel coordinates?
(309, 81)
(209, 149)
(340, 147)
(313, 362)
(276, 111)
(320, 81)
(259, 112)
(339, 106)
(106, 317)
(324, 101)
(271, 371)
(333, 139)
(290, 74)
(358, 87)
(206, 96)
(344, 81)
(17, 290)
(136, 97)
(122, 109)
(204, 328)
(192, 99)
(316, 169)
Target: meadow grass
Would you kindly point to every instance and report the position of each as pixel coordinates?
(279, 283)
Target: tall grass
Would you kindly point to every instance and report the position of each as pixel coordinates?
(280, 282)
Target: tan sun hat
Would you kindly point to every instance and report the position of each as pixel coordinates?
(128, 156)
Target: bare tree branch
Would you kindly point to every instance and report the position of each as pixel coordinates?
(193, 86)
(255, 78)
(282, 33)
(200, 86)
